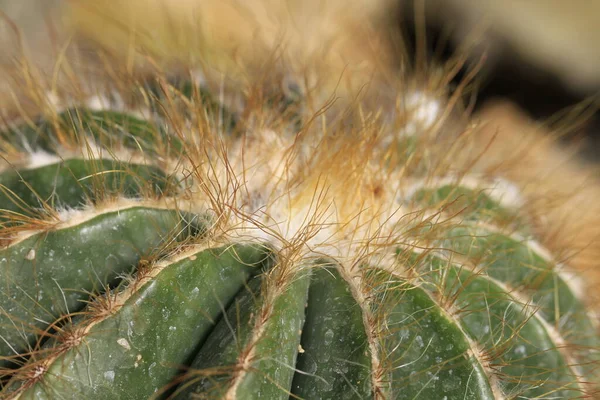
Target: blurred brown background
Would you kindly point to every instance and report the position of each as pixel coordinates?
(38, 23)
(542, 55)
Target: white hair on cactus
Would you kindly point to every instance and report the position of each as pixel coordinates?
(40, 158)
(422, 109)
(423, 112)
(110, 102)
(98, 103)
(54, 101)
(280, 206)
(94, 103)
(506, 193)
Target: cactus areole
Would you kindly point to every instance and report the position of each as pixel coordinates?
(164, 241)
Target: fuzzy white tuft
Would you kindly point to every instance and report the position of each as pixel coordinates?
(41, 158)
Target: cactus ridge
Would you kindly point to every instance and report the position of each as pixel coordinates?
(186, 247)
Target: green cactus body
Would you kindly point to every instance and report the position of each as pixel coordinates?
(329, 362)
(48, 274)
(118, 281)
(73, 183)
(441, 359)
(176, 298)
(268, 337)
(79, 125)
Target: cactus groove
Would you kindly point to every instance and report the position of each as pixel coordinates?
(139, 262)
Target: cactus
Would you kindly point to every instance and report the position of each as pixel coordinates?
(174, 244)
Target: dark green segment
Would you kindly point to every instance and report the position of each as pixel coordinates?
(424, 350)
(213, 367)
(108, 128)
(286, 103)
(30, 137)
(197, 97)
(215, 112)
(136, 352)
(52, 273)
(336, 363)
(69, 183)
(111, 128)
(276, 350)
(272, 368)
(525, 356)
(518, 265)
(470, 203)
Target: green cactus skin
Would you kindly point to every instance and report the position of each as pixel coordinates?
(78, 125)
(519, 265)
(268, 335)
(472, 204)
(49, 274)
(73, 183)
(164, 319)
(333, 366)
(118, 299)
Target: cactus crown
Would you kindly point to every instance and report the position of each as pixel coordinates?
(270, 242)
